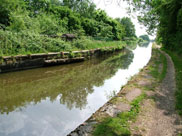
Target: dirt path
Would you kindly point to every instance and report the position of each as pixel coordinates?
(158, 116)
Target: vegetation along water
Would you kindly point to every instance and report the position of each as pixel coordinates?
(40, 101)
(36, 26)
(61, 98)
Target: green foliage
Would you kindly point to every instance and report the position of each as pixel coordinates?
(85, 8)
(105, 30)
(155, 70)
(90, 26)
(179, 20)
(32, 26)
(25, 42)
(74, 23)
(85, 43)
(35, 6)
(165, 17)
(71, 54)
(8, 6)
(113, 127)
(128, 25)
(145, 37)
(119, 126)
(49, 25)
(140, 40)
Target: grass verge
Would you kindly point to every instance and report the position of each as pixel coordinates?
(155, 70)
(24, 43)
(119, 126)
(177, 59)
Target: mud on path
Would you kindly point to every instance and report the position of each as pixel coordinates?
(158, 116)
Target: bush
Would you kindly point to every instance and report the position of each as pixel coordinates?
(25, 42)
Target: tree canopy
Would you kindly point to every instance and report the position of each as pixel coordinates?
(41, 20)
(54, 16)
(129, 26)
(145, 37)
(164, 17)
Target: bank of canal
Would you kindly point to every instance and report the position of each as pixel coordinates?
(23, 62)
(55, 100)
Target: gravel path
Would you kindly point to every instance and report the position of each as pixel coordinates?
(158, 117)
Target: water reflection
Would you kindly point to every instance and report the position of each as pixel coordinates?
(72, 83)
(55, 100)
(145, 44)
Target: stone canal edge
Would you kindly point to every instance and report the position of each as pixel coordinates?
(157, 109)
(30, 61)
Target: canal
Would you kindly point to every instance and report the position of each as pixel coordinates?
(53, 101)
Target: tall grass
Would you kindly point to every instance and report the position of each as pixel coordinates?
(92, 44)
(119, 126)
(25, 42)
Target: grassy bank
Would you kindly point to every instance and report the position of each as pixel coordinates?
(120, 125)
(29, 43)
(31, 26)
(178, 67)
(12, 43)
(154, 70)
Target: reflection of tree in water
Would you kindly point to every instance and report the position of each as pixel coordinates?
(145, 44)
(122, 61)
(73, 82)
(131, 45)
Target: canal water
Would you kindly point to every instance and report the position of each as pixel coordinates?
(53, 101)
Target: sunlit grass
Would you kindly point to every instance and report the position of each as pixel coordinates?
(119, 126)
(155, 69)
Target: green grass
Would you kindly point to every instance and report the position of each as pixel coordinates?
(154, 70)
(112, 127)
(163, 60)
(92, 44)
(177, 59)
(119, 126)
(23, 43)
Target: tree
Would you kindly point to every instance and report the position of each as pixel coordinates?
(164, 17)
(90, 26)
(37, 5)
(8, 6)
(128, 25)
(145, 37)
(85, 8)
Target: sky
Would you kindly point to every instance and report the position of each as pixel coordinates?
(117, 8)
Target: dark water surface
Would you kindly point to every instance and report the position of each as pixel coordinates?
(53, 101)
